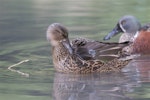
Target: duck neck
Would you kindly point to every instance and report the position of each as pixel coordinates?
(131, 34)
(63, 60)
(127, 37)
(62, 51)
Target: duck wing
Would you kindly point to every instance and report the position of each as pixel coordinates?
(89, 49)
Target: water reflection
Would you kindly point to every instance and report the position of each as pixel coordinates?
(110, 86)
(140, 69)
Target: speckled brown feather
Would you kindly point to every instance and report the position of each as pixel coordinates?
(64, 62)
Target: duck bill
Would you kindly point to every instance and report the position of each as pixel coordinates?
(114, 32)
(67, 45)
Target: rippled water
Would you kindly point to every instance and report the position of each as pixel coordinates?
(23, 24)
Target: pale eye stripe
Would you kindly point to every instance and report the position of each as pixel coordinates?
(122, 28)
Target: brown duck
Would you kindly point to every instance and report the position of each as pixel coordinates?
(83, 55)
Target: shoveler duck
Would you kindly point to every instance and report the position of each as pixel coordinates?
(128, 25)
(67, 58)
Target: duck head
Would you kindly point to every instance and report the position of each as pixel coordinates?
(127, 24)
(58, 34)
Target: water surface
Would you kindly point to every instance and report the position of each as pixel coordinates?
(23, 25)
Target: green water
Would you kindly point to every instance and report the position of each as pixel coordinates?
(23, 25)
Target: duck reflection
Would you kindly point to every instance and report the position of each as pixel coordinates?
(139, 69)
(110, 86)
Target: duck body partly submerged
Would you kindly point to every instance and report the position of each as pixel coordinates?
(68, 58)
(74, 63)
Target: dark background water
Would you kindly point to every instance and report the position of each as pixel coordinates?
(23, 25)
